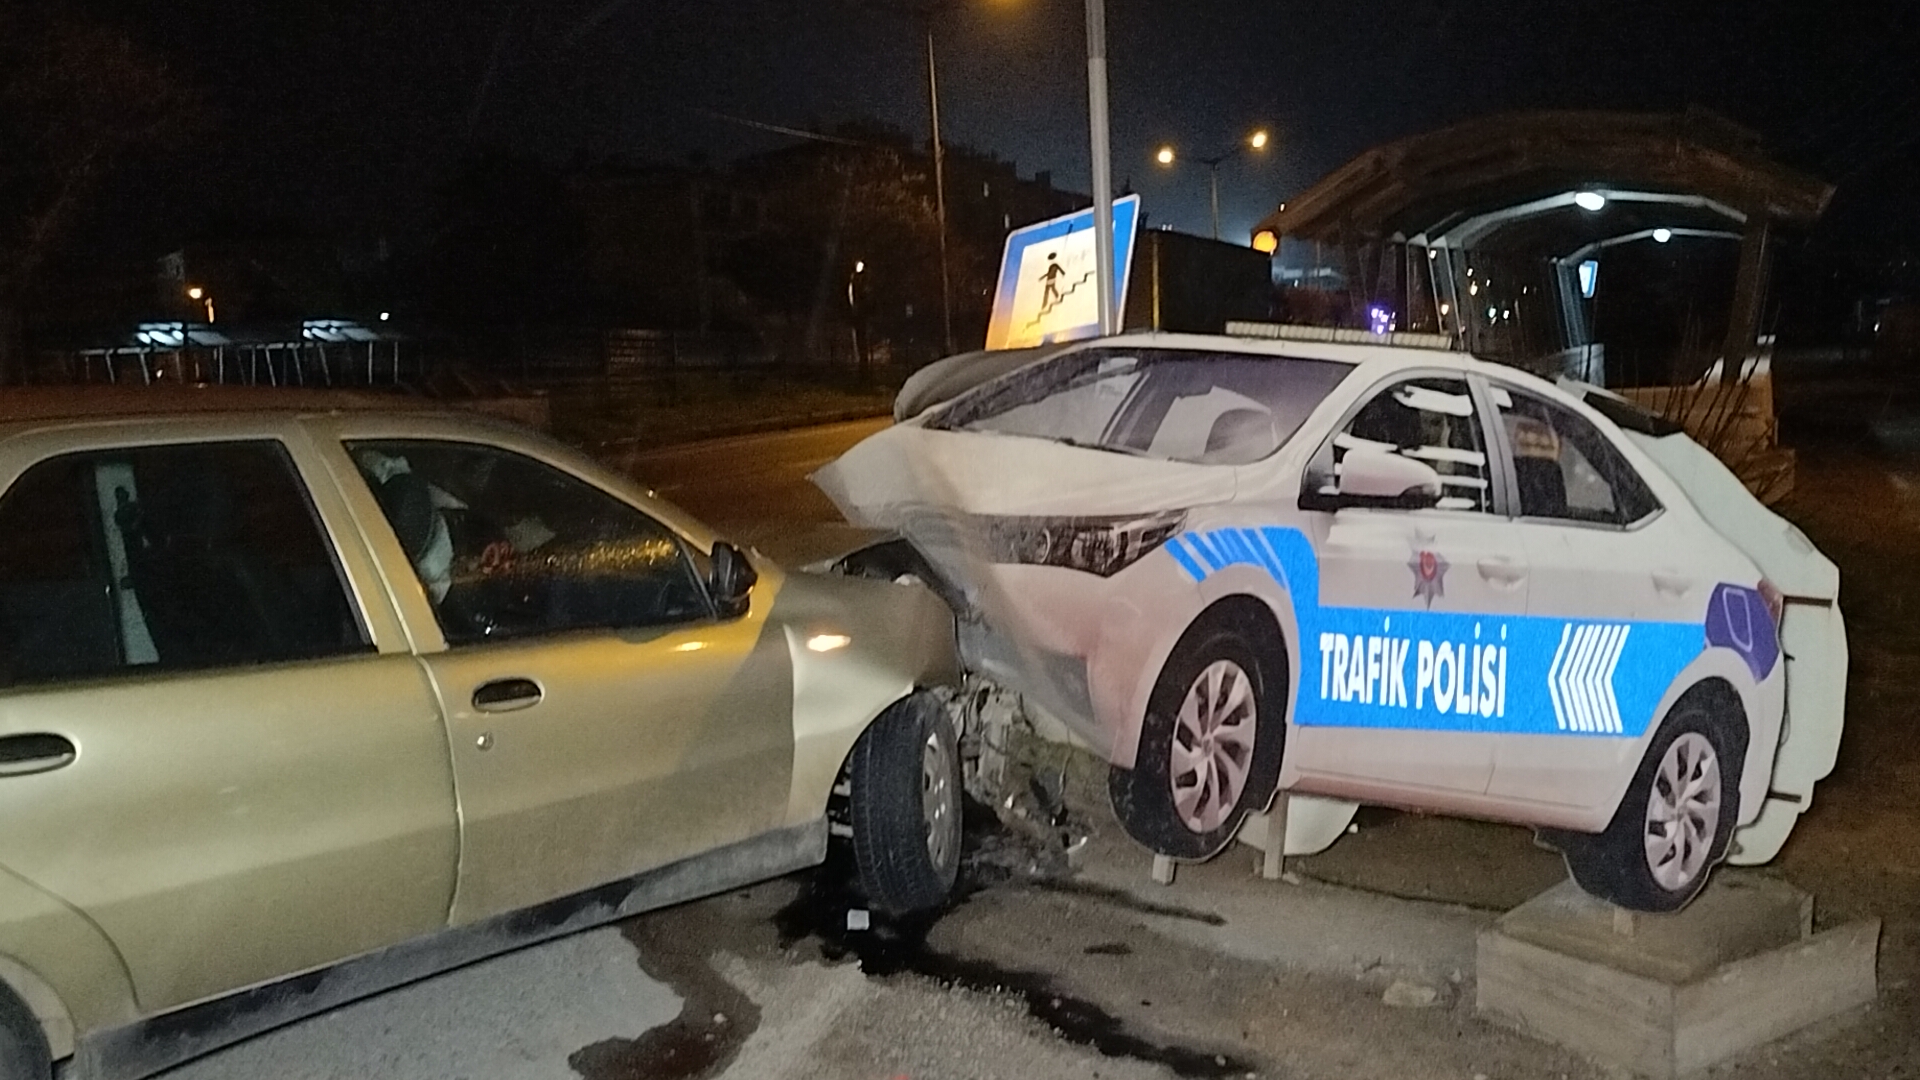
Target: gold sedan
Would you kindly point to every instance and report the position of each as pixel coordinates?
(302, 698)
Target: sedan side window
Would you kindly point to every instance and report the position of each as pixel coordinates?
(1432, 421)
(506, 546)
(1566, 468)
(165, 558)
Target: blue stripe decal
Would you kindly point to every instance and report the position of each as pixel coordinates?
(1203, 544)
(1183, 554)
(1451, 671)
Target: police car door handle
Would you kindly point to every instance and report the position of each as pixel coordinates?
(1502, 570)
(1671, 583)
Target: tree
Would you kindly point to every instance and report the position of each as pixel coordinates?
(75, 99)
(510, 246)
(828, 207)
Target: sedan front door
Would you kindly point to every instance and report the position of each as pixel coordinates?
(603, 720)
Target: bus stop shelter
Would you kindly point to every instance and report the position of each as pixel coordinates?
(1506, 233)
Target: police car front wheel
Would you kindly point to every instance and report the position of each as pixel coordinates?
(1210, 743)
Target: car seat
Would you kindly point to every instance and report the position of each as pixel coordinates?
(207, 599)
(1543, 487)
(1240, 436)
(408, 503)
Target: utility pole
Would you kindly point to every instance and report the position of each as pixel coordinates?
(1213, 186)
(940, 191)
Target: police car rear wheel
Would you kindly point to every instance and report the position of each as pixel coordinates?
(1210, 746)
(1675, 821)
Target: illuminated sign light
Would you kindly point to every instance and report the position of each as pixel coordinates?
(1048, 291)
(1589, 277)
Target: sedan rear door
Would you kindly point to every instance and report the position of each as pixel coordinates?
(208, 744)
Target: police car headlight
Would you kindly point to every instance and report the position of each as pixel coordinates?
(1094, 545)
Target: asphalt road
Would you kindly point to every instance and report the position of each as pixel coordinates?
(754, 488)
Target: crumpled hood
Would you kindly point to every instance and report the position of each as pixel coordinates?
(908, 469)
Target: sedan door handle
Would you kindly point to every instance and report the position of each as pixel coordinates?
(24, 755)
(507, 695)
(1502, 570)
(1671, 583)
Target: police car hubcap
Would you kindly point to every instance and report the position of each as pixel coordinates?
(1212, 746)
(1683, 811)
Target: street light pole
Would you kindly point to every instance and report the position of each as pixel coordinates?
(1256, 141)
(1102, 162)
(940, 190)
(1213, 187)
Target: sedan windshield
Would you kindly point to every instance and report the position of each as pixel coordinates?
(1209, 408)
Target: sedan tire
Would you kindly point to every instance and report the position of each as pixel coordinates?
(906, 806)
(1211, 741)
(1675, 821)
(23, 1049)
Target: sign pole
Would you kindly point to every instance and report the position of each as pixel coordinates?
(1102, 162)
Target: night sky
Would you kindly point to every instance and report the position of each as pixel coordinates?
(352, 108)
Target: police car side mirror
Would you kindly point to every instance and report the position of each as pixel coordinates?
(1375, 479)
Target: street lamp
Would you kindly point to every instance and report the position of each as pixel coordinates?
(1255, 141)
(200, 295)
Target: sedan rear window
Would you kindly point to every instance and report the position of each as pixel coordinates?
(169, 558)
(1172, 404)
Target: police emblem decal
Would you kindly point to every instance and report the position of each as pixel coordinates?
(1429, 575)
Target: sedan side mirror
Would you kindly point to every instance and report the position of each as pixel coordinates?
(1375, 479)
(731, 581)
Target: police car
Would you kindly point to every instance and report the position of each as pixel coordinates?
(1367, 572)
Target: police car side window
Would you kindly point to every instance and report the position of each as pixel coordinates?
(1432, 421)
(1566, 468)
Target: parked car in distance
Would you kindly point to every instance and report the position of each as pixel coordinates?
(1374, 573)
(303, 696)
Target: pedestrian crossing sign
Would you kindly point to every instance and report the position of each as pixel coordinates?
(1048, 291)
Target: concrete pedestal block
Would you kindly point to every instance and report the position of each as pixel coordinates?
(1665, 995)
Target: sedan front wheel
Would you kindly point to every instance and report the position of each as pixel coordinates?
(906, 806)
(23, 1049)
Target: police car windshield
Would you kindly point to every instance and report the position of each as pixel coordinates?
(1209, 408)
